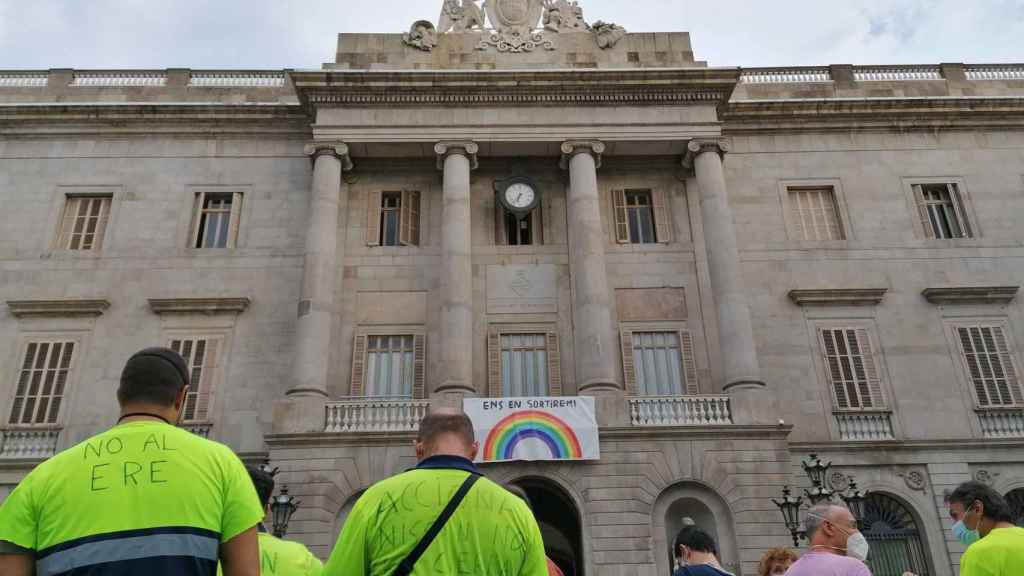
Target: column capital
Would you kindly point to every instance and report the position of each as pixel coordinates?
(571, 148)
(466, 148)
(698, 146)
(337, 149)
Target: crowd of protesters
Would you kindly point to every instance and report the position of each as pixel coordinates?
(147, 497)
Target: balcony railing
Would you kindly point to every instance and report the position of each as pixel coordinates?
(119, 79)
(253, 79)
(28, 443)
(785, 75)
(896, 73)
(995, 72)
(375, 415)
(865, 426)
(23, 79)
(1005, 423)
(199, 428)
(680, 411)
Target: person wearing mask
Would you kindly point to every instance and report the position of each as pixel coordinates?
(440, 518)
(984, 523)
(697, 554)
(837, 548)
(553, 569)
(144, 497)
(776, 561)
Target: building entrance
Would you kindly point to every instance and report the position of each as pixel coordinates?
(559, 522)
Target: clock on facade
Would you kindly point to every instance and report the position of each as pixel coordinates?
(518, 195)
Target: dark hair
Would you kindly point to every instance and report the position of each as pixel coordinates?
(695, 539)
(264, 483)
(153, 376)
(996, 507)
(519, 492)
(438, 424)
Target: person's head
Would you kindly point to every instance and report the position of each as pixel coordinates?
(976, 509)
(264, 483)
(776, 561)
(446, 431)
(155, 381)
(694, 546)
(833, 528)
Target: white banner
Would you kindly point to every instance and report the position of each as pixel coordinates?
(562, 428)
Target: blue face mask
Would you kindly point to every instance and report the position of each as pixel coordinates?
(965, 535)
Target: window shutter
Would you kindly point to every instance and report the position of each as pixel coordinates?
(922, 212)
(494, 365)
(358, 378)
(197, 214)
(500, 234)
(415, 217)
(373, 218)
(875, 398)
(236, 218)
(538, 223)
(796, 216)
(67, 225)
(970, 354)
(419, 388)
(1006, 365)
(101, 226)
(832, 369)
(958, 208)
(210, 365)
(662, 217)
(554, 365)
(628, 369)
(621, 220)
(689, 362)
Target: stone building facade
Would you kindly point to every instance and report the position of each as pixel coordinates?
(742, 266)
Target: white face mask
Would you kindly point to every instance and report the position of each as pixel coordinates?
(857, 547)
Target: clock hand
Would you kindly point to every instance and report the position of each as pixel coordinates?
(518, 198)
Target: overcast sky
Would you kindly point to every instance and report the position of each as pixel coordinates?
(39, 34)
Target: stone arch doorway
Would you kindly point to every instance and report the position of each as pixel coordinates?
(559, 521)
(1016, 500)
(342, 515)
(897, 544)
(688, 502)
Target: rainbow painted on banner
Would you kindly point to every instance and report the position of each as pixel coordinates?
(552, 431)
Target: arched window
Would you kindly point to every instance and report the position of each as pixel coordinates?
(896, 543)
(1016, 500)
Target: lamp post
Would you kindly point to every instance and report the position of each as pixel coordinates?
(820, 492)
(282, 507)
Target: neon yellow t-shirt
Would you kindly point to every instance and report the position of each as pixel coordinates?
(1001, 553)
(146, 494)
(285, 558)
(492, 532)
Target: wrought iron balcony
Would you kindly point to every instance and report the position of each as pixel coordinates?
(375, 415)
(680, 411)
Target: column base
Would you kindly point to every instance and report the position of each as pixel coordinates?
(751, 402)
(450, 395)
(609, 403)
(300, 414)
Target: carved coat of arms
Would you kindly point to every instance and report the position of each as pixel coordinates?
(515, 16)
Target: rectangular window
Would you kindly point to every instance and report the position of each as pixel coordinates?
(42, 381)
(519, 231)
(641, 217)
(393, 218)
(524, 363)
(814, 214)
(84, 223)
(659, 362)
(390, 366)
(510, 230)
(941, 210)
(390, 213)
(990, 365)
(202, 357)
(216, 218)
(851, 368)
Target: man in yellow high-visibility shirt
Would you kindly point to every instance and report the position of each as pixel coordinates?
(440, 518)
(280, 557)
(984, 523)
(144, 497)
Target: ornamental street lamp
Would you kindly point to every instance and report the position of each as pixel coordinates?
(856, 500)
(816, 471)
(790, 508)
(819, 493)
(282, 507)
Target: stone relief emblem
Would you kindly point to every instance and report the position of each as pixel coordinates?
(563, 15)
(839, 481)
(915, 480)
(986, 477)
(608, 34)
(519, 17)
(460, 17)
(422, 35)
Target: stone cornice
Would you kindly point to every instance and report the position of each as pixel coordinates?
(338, 149)
(571, 148)
(465, 147)
(838, 296)
(999, 295)
(871, 114)
(647, 86)
(208, 306)
(70, 308)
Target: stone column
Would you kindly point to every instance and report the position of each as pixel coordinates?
(308, 391)
(457, 160)
(750, 401)
(594, 334)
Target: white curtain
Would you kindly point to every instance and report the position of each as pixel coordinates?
(524, 365)
(389, 366)
(656, 360)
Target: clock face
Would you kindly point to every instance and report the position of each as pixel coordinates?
(520, 195)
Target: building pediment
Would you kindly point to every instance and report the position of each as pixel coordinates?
(971, 295)
(65, 308)
(207, 306)
(838, 296)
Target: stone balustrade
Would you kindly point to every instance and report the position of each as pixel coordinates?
(1006, 423)
(896, 73)
(28, 443)
(249, 79)
(785, 75)
(23, 79)
(995, 72)
(865, 426)
(119, 79)
(375, 415)
(199, 429)
(680, 411)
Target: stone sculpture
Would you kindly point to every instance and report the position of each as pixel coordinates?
(422, 35)
(460, 18)
(607, 34)
(564, 16)
(515, 24)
